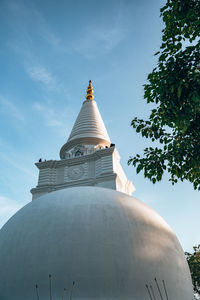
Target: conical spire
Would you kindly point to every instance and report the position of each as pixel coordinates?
(90, 95)
(89, 127)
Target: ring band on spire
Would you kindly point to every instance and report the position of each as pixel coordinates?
(90, 95)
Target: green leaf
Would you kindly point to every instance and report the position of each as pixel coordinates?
(179, 91)
(154, 180)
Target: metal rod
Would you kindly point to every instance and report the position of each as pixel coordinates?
(73, 284)
(63, 295)
(165, 290)
(37, 292)
(158, 289)
(50, 287)
(152, 292)
(149, 292)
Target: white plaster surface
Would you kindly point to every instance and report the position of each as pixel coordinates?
(89, 123)
(88, 129)
(100, 168)
(109, 243)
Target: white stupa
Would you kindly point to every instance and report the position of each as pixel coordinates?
(84, 226)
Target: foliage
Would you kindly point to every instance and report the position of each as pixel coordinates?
(194, 264)
(174, 87)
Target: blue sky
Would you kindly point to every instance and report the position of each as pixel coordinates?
(48, 51)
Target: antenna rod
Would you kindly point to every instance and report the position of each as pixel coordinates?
(158, 289)
(149, 292)
(152, 292)
(63, 296)
(36, 287)
(73, 284)
(165, 290)
(50, 287)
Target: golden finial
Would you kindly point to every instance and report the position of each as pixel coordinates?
(90, 95)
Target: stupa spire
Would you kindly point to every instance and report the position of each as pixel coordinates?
(90, 95)
(89, 127)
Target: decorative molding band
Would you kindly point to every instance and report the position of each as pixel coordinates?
(75, 160)
(88, 182)
(89, 140)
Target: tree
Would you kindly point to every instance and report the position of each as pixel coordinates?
(174, 87)
(194, 265)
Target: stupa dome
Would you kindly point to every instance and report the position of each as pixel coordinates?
(108, 242)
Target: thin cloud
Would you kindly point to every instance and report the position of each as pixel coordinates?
(8, 208)
(52, 119)
(100, 39)
(24, 17)
(17, 166)
(10, 108)
(55, 117)
(45, 32)
(40, 74)
(26, 13)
